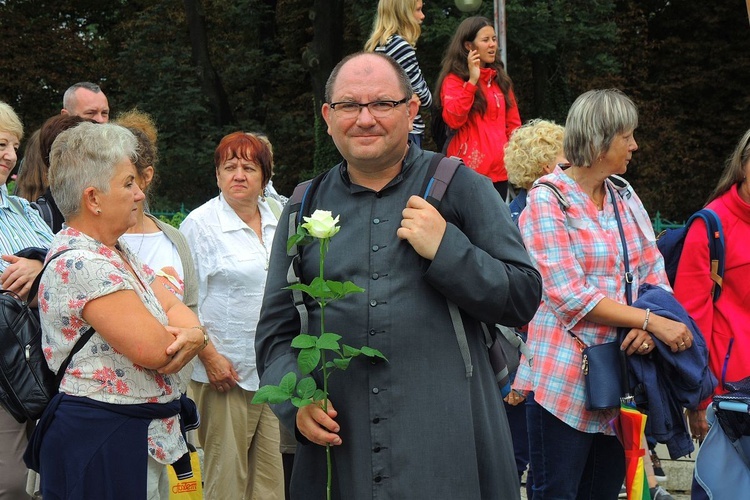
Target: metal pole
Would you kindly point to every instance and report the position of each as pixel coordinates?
(500, 30)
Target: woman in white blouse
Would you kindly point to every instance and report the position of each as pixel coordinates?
(230, 238)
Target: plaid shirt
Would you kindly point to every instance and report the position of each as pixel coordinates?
(579, 255)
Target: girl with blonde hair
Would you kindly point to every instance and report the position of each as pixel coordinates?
(395, 33)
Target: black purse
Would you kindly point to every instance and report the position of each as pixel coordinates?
(604, 365)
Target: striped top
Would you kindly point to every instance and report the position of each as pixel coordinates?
(403, 53)
(21, 227)
(580, 260)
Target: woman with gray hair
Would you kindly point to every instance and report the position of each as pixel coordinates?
(119, 399)
(579, 253)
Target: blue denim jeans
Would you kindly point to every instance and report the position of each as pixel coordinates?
(519, 433)
(569, 464)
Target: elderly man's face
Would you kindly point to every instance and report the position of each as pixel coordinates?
(370, 143)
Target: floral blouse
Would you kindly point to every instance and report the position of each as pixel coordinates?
(89, 271)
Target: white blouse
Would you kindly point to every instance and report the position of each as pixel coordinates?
(231, 264)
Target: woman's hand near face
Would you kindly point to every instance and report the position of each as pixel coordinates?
(475, 65)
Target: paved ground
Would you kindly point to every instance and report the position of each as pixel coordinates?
(676, 496)
(679, 474)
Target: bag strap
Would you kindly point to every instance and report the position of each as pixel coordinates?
(561, 200)
(715, 235)
(299, 203)
(83, 339)
(439, 175)
(626, 261)
(628, 294)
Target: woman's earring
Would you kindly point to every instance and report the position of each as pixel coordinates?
(98, 212)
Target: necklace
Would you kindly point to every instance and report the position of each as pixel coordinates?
(143, 234)
(599, 203)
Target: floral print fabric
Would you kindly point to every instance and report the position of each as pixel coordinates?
(89, 271)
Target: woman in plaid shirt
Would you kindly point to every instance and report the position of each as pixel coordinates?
(578, 251)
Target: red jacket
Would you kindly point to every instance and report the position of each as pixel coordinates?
(480, 139)
(725, 323)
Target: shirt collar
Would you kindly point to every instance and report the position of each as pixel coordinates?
(412, 154)
(230, 221)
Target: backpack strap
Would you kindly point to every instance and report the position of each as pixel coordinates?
(275, 206)
(439, 175)
(299, 204)
(561, 200)
(42, 206)
(437, 178)
(82, 340)
(715, 235)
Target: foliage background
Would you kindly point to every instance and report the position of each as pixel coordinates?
(204, 68)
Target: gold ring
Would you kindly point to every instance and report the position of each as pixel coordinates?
(682, 343)
(645, 346)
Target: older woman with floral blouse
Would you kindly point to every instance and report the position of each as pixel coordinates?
(120, 396)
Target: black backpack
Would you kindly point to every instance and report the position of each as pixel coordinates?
(441, 133)
(26, 382)
(503, 344)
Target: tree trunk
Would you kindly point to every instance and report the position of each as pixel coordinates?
(540, 75)
(324, 52)
(209, 78)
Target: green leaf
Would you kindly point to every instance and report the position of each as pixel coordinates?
(306, 387)
(304, 288)
(330, 364)
(336, 287)
(272, 394)
(350, 287)
(320, 395)
(350, 352)
(308, 359)
(299, 402)
(301, 238)
(288, 382)
(321, 289)
(372, 353)
(328, 341)
(303, 341)
(342, 363)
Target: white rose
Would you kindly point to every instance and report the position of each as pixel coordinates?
(321, 224)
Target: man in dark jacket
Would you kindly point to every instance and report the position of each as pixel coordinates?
(415, 426)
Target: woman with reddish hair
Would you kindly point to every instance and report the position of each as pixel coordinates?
(230, 238)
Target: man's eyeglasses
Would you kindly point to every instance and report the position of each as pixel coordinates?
(378, 109)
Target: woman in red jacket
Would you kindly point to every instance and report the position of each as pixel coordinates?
(477, 100)
(724, 323)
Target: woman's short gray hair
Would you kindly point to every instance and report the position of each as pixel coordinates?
(85, 156)
(594, 119)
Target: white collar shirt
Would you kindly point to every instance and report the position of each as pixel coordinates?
(231, 264)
